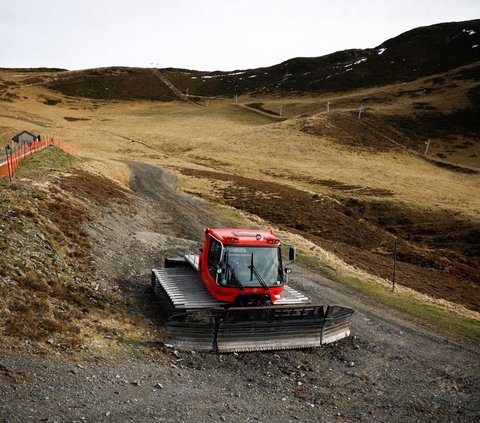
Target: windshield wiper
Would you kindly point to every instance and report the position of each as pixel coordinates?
(232, 272)
(257, 275)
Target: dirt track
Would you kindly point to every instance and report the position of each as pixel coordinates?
(183, 215)
(391, 369)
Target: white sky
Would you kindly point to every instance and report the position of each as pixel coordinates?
(205, 35)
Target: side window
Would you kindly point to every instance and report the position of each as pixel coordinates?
(214, 255)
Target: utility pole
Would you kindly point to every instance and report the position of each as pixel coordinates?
(394, 263)
(427, 145)
(187, 92)
(360, 110)
(236, 98)
(328, 107)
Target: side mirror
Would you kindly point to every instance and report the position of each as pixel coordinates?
(292, 253)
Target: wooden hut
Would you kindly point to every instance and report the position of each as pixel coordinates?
(24, 137)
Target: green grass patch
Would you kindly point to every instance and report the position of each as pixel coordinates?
(51, 158)
(230, 217)
(439, 317)
(309, 260)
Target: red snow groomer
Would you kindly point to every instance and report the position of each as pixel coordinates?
(234, 296)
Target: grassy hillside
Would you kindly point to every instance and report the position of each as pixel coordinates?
(46, 261)
(113, 83)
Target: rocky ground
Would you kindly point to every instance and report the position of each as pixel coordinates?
(390, 369)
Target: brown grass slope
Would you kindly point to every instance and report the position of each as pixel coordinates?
(445, 106)
(114, 83)
(438, 252)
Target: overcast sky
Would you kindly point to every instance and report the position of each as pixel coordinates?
(205, 35)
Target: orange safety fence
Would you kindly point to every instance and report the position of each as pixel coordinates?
(11, 158)
(68, 149)
(4, 171)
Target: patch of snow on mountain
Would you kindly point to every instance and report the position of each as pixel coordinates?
(470, 31)
(363, 59)
(381, 50)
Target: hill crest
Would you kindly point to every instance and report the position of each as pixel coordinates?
(414, 54)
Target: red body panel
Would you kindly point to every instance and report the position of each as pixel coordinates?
(236, 237)
(248, 237)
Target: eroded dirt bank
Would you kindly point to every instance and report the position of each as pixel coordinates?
(391, 369)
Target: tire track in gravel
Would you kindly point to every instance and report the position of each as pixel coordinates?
(184, 215)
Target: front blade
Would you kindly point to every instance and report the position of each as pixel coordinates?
(194, 331)
(278, 328)
(337, 324)
(258, 328)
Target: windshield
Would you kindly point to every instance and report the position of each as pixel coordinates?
(252, 267)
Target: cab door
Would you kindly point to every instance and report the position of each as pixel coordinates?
(213, 257)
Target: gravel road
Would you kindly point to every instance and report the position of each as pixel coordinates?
(392, 369)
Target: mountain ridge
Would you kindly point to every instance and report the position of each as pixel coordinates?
(413, 54)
